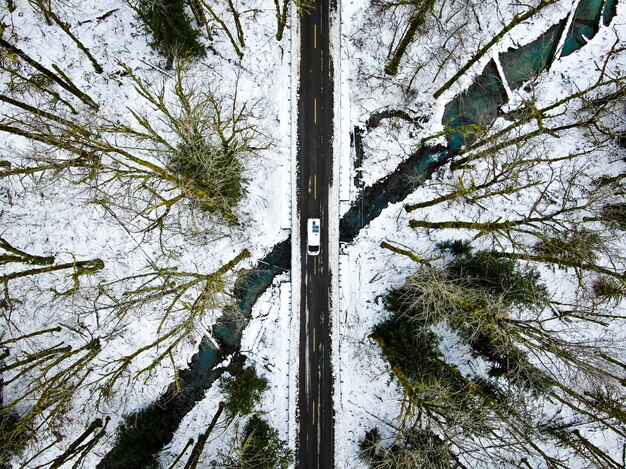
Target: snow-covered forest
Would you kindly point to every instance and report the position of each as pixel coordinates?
(486, 315)
(146, 164)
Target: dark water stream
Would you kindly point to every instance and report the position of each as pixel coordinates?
(147, 432)
(528, 61)
(477, 106)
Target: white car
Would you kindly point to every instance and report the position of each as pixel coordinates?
(313, 236)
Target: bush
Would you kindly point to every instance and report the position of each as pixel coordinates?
(615, 214)
(499, 276)
(12, 439)
(214, 170)
(410, 347)
(368, 445)
(172, 33)
(138, 439)
(474, 295)
(577, 246)
(243, 391)
(261, 447)
(455, 247)
(608, 289)
(415, 448)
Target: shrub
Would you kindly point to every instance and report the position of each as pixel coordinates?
(215, 170)
(615, 214)
(368, 445)
(172, 33)
(455, 247)
(474, 295)
(577, 246)
(261, 447)
(410, 347)
(609, 289)
(12, 438)
(243, 391)
(499, 276)
(415, 448)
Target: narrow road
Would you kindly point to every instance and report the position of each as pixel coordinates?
(315, 132)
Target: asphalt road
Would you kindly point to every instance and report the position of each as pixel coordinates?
(315, 132)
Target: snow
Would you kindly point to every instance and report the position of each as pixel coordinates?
(55, 217)
(267, 343)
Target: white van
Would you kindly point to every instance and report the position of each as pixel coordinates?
(313, 236)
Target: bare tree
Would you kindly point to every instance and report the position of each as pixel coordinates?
(56, 76)
(199, 158)
(48, 264)
(185, 299)
(517, 19)
(303, 6)
(420, 8)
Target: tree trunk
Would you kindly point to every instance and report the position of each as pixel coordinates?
(21, 256)
(66, 28)
(237, 23)
(36, 357)
(174, 464)
(192, 462)
(561, 262)
(225, 28)
(35, 84)
(27, 336)
(198, 12)
(40, 113)
(65, 83)
(417, 19)
(281, 18)
(405, 252)
(92, 265)
(58, 461)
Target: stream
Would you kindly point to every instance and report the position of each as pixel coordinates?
(147, 432)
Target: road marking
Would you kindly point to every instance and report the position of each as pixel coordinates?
(315, 265)
(315, 36)
(314, 339)
(315, 186)
(313, 411)
(315, 110)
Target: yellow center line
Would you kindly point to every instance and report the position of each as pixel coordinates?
(313, 411)
(314, 339)
(315, 186)
(315, 36)
(315, 110)
(315, 265)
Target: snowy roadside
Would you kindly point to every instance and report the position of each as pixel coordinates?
(296, 242)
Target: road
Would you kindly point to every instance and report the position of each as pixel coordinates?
(315, 132)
